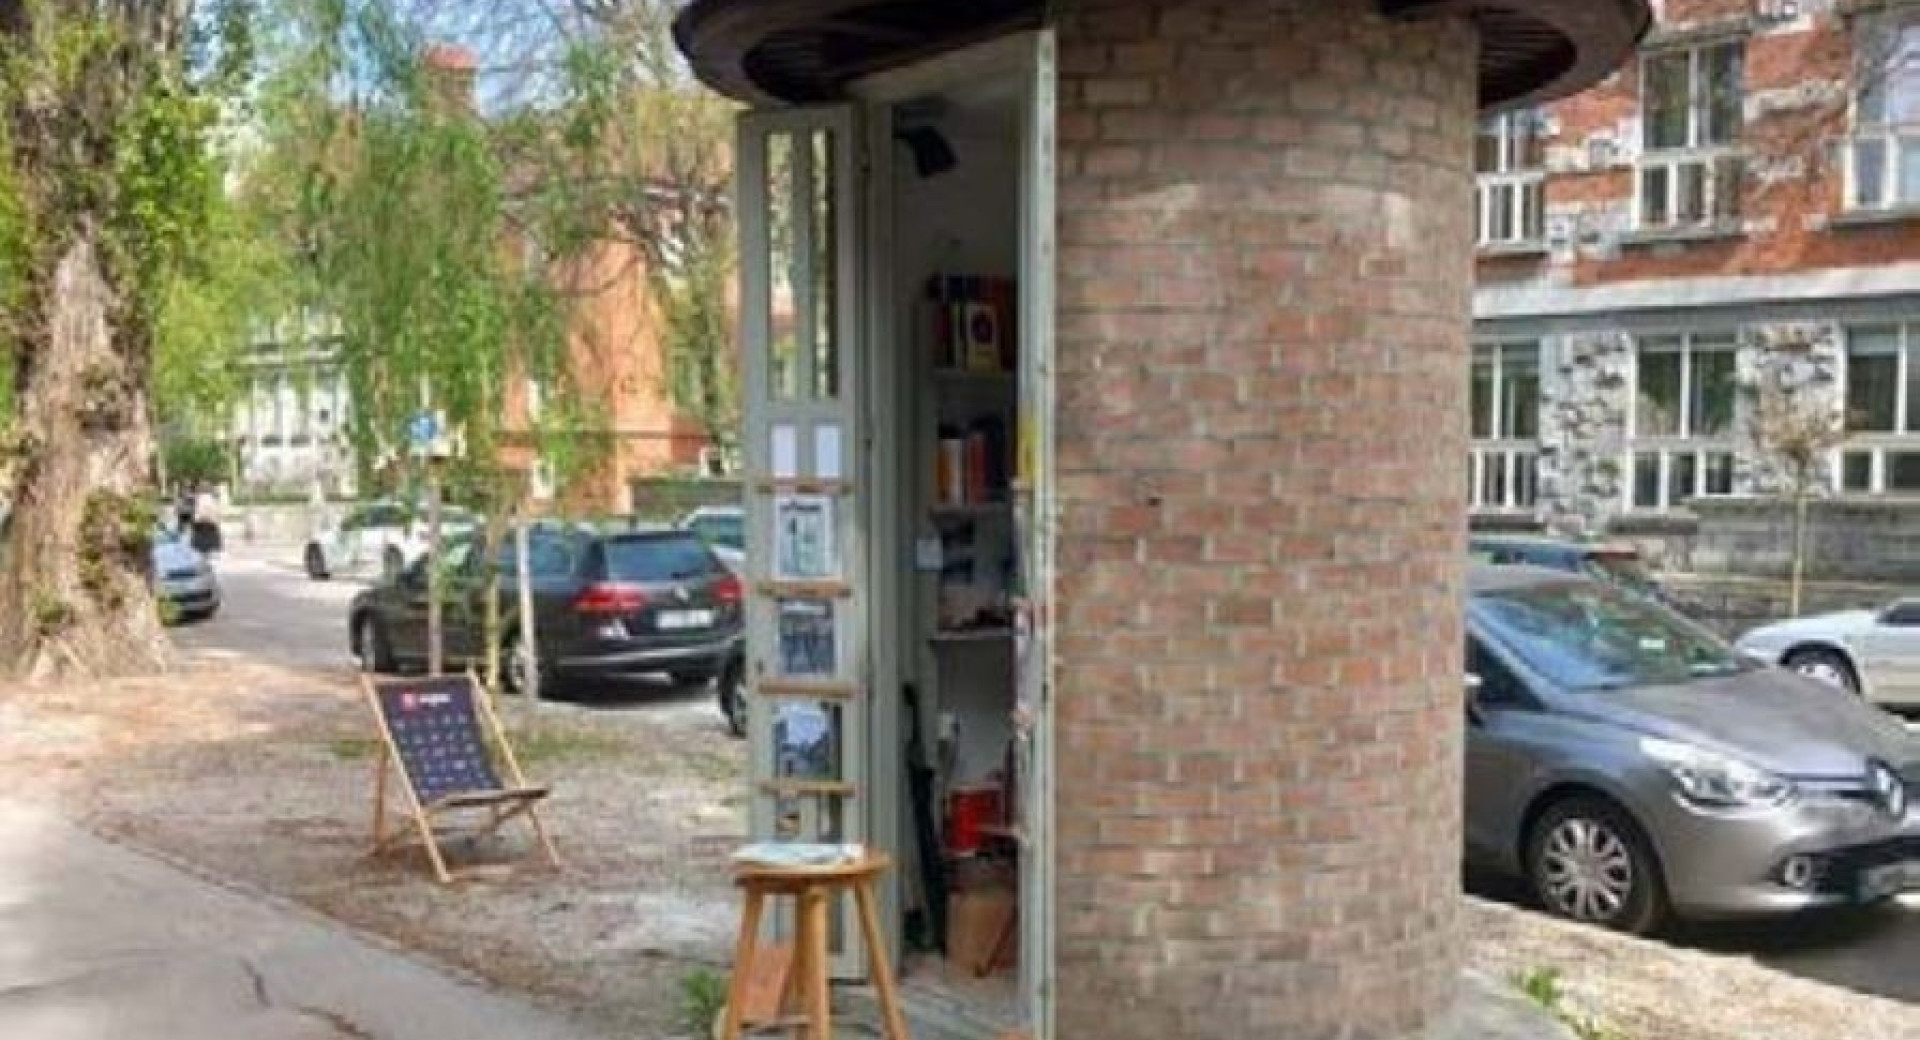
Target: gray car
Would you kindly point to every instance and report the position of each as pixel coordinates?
(183, 577)
(1633, 766)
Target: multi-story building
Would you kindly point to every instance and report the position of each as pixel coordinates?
(1733, 218)
(289, 428)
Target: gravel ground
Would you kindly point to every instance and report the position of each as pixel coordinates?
(264, 776)
(1654, 991)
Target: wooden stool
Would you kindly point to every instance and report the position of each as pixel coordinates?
(814, 890)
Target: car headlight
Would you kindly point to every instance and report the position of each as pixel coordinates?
(1719, 781)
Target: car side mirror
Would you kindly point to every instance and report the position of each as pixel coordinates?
(1474, 684)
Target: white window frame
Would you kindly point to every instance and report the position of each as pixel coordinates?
(540, 483)
(1669, 446)
(536, 400)
(1522, 183)
(1888, 134)
(1711, 158)
(1878, 444)
(1513, 455)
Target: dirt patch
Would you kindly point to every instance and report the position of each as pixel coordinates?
(264, 775)
(1654, 991)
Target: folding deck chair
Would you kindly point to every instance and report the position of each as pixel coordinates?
(433, 736)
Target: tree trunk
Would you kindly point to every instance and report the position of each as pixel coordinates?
(75, 593)
(436, 581)
(1797, 580)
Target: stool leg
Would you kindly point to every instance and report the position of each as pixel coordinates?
(819, 995)
(896, 1022)
(793, 995)
(742, 965)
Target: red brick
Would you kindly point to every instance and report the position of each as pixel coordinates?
(1261, 385)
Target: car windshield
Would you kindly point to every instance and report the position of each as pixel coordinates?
(652, 558)
(721, 529)
(1623, 570)
(1589, 636)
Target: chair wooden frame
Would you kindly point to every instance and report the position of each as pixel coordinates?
(518, 801)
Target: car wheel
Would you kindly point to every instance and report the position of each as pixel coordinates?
(370, 644)
(316, 564)
(516, 670)
(1589, 861)
(733, 698)
(1824, 666)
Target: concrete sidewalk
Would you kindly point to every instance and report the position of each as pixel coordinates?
(99, 942)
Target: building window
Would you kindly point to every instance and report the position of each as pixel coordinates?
(1882, 454)
(1505, 398)
(540, 481)
(1683, 409)
(1510, 157)
(1690, 170)
(1883, 163)
(536, 400)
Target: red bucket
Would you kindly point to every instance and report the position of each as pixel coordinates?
(968, 810)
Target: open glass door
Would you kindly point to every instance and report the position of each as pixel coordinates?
(806, 633)
(1034, 512)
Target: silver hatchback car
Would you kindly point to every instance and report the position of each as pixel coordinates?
(1632, 766)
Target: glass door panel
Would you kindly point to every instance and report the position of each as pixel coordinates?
(806, 638)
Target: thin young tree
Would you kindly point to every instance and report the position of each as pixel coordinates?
(411, 217)
(1798, 435)
(106, 178)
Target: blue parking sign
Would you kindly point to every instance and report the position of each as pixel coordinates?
(422, 430)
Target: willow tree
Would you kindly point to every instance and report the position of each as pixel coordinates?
(411, 220)
(105, 177)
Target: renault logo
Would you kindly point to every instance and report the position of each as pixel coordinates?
(680, 593)
(1888, 786)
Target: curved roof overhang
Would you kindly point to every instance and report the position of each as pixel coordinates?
(801, 51)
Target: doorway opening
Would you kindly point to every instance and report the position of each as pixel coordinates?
(953, 180)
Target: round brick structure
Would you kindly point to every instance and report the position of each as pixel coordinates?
(1264, 290)
(1264, 224)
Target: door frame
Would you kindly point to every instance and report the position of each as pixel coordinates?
(806, 414)
(1031, 57)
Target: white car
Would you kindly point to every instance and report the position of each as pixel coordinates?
(724, 529)
(1875, 653)
(382, 538)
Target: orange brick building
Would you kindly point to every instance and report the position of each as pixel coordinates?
(1736, 209)
(617, 354)
(616, 359)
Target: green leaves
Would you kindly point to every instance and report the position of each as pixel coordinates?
(168, 182)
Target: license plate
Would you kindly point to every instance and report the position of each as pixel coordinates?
(681, 620)
(1890, 879)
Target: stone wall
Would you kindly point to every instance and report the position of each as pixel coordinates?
(1586, 396)
(1800, 360)
(1852, 539)
(1265, 267)
(1585, 389)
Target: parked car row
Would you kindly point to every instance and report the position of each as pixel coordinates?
(1633, 766)
(606, 605)
(387, 534)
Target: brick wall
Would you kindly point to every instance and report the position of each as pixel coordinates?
(1264, 309)
(1797, 81)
